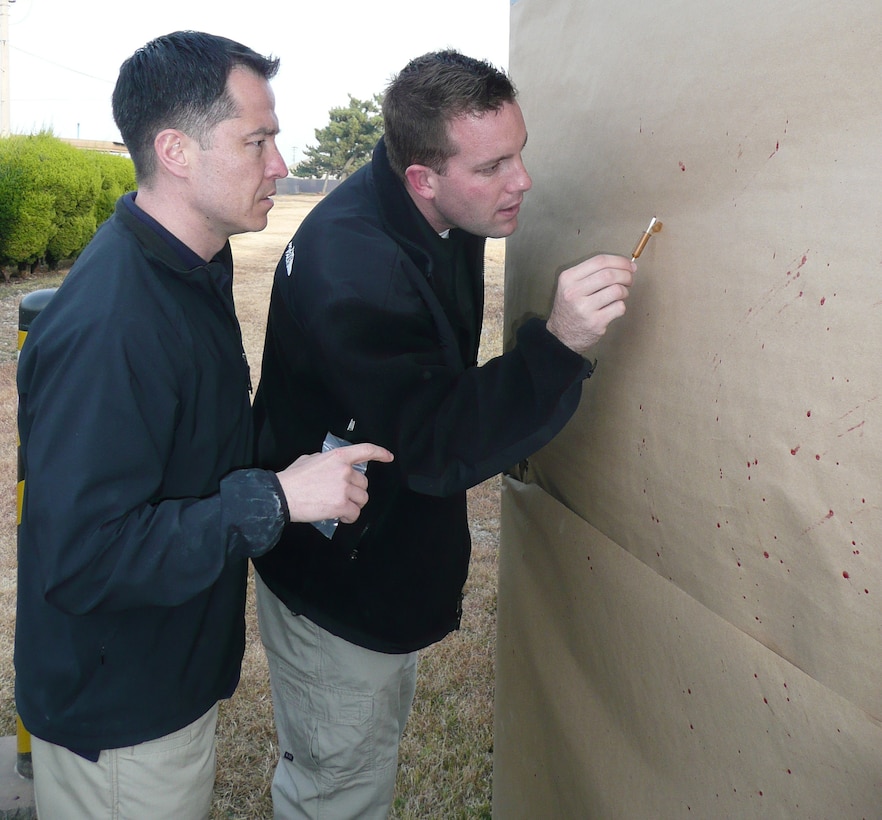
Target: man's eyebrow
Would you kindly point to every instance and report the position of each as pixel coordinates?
(263, 132)
(505, 156)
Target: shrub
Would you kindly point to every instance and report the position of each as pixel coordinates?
(74, 181)
(117, 178)
(27, 212)
(53, 197)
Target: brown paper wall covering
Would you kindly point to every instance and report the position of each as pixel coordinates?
(726, 458)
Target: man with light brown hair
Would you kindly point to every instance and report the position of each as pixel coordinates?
(373, 334)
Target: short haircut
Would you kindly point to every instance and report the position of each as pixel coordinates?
(179, 81)
(427, 95)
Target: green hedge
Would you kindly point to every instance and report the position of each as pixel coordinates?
(53, 197)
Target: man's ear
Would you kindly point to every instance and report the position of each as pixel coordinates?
(421, 180)
(172, 149)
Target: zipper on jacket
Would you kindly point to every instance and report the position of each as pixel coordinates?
(247, 371)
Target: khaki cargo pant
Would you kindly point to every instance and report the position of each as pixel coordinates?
(340, 711)
(172, 776)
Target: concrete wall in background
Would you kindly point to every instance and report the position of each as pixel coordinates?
(299, 185)
(690, 611)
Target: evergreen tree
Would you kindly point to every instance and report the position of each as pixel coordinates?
(346, 143)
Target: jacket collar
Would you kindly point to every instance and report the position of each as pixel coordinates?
(403, 220)
(163, 244)
(400, 215)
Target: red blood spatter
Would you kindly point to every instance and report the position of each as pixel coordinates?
(846, 575)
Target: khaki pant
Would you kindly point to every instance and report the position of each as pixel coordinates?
(340, 712)
(170, 777)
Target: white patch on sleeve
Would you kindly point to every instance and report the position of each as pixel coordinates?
(289, 257)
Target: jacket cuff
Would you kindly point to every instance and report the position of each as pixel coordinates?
(254, 512)
(544, 350)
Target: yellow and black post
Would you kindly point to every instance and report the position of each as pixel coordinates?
(28, 310)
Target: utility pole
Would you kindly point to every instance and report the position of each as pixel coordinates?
(4, 67)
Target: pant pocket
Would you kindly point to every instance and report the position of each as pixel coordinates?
(331, 729)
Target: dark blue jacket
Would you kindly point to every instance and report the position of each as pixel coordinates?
(135, 421)
(368, 322)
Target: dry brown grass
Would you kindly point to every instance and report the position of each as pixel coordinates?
(446, 754)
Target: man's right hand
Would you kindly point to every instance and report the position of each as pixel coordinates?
(326, 485)
(588, 298)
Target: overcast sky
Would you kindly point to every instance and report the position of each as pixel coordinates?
(64, 55)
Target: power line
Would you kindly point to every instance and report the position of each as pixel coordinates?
(5, 47)
(60, 65)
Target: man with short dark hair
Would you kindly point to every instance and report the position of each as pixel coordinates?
(141, 506)
(373, 334)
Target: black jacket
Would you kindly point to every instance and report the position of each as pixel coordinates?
(134, 413)
(370, 325)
